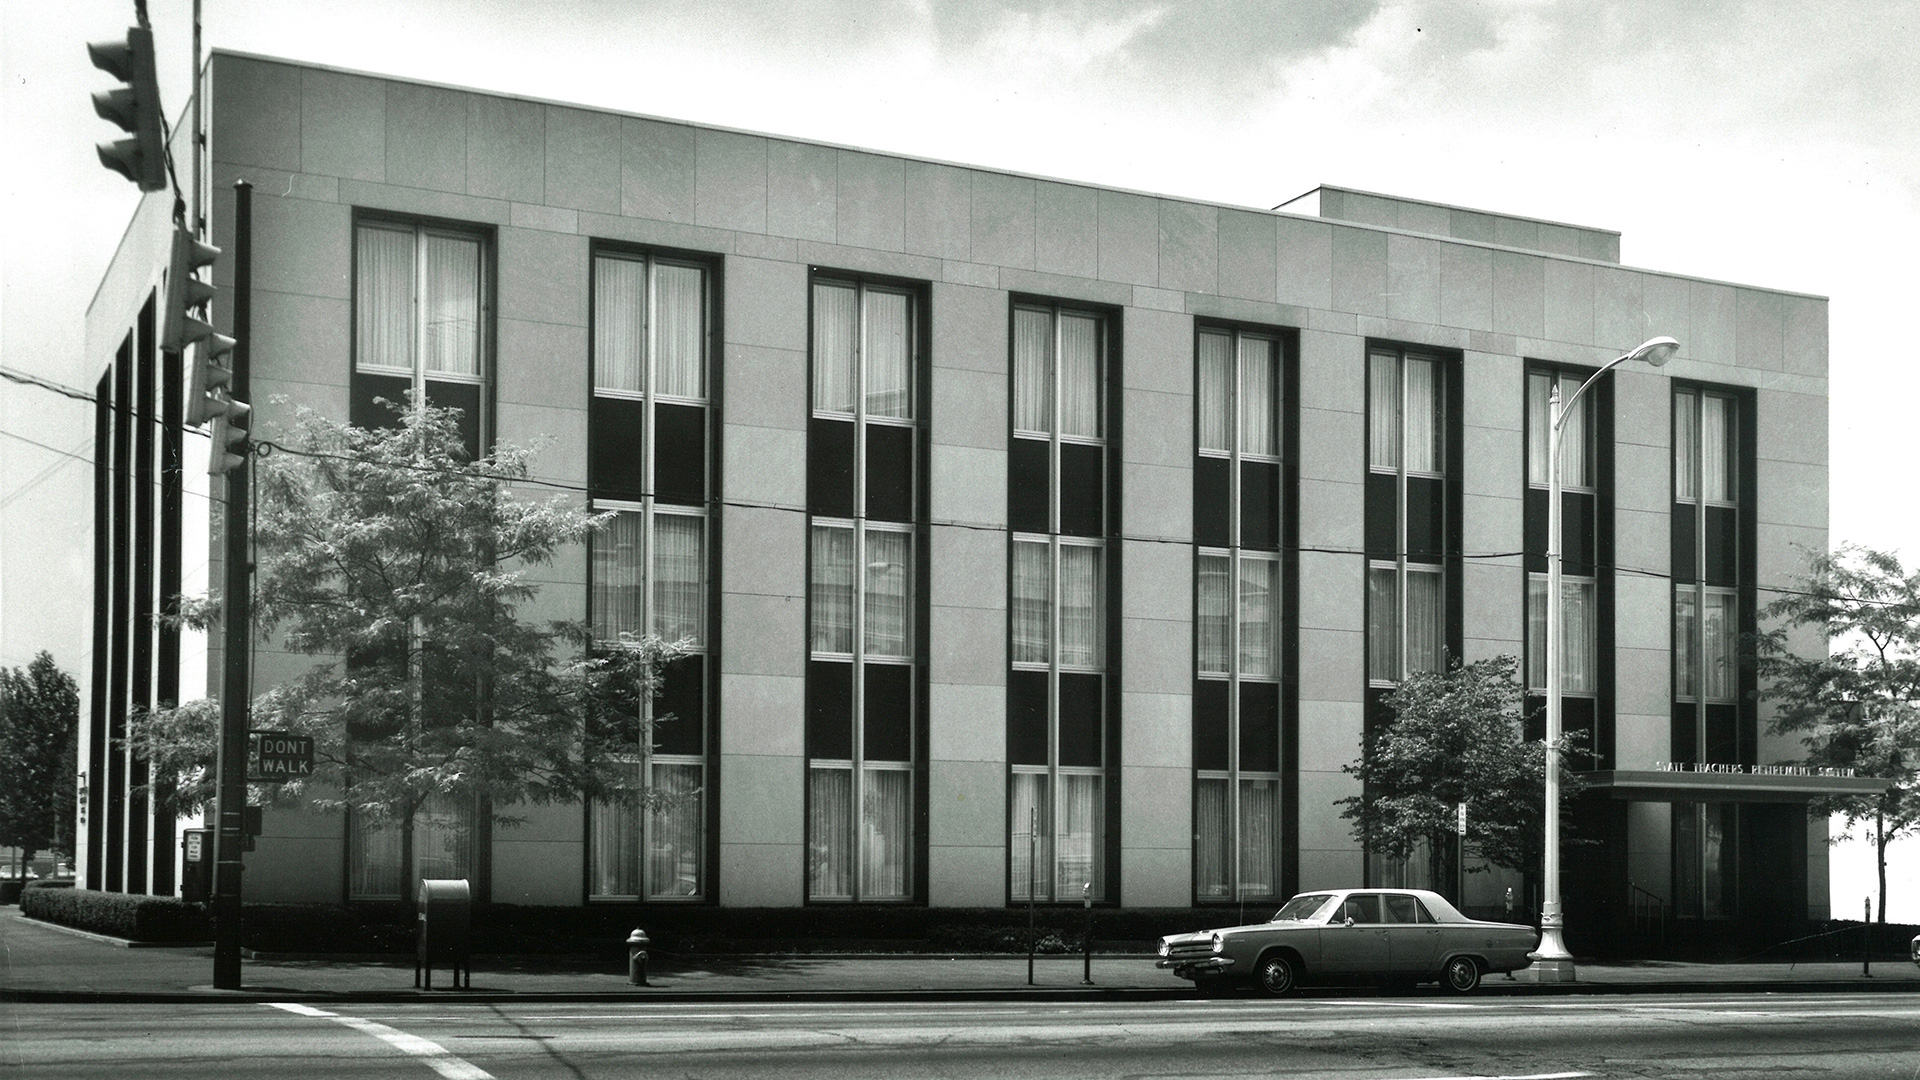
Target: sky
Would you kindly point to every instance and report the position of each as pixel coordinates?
(1765, 142)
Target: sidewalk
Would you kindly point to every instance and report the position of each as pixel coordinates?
(39, 962)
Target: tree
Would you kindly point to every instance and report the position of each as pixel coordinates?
(399, 565)
(1854, 707)
(1455, 738)
(39, 723)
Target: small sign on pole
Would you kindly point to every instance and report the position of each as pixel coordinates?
(275, 757)
(1460, 821)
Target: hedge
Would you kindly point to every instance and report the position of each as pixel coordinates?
(136, 918)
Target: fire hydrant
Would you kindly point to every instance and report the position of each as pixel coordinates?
(637, 957)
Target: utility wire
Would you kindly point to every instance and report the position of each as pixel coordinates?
(268, 446)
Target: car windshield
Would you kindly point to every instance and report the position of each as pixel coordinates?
(1302, 908)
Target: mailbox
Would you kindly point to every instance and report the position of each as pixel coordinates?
(443, 917)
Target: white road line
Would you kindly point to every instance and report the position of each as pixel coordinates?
(1527, 1076)
(431, 1054)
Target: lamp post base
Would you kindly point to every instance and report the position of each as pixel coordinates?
(1547, 971)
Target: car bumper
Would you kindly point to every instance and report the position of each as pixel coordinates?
(1194, 968)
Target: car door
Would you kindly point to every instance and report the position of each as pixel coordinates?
(1358, 948)
(1413, 938)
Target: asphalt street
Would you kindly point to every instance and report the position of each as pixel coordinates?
(1347, 1038)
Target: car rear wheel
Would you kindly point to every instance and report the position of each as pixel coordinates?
(1462, 975)
(1277, 975)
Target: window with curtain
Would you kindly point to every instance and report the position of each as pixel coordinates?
(421, 328)
(437, 841)
(648, 568)
(1407, 495)
(1237, 611)
(1710, 573)
(864, 511)
(1584, 578)
(1058, 608)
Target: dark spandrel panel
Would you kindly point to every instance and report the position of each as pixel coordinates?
(680, 454)
(681, 696)
(1379, 714)
(1426, 518)
(1027, 717)
(1210, 718)
(1723, 733)
(889, 473)
(616, 448)
(1027, 486)
(1080, 714)
(830, 709)
(830, 468)
(1686, 737)
(466, 398)
(1082, 489)
(1684, 553)
(1533, 721)
(1260, 726)
(1577, 722)
(1536, 530)
(1383, 516)
(888, 716)
(1213, 502)
(1260, 505)
(369, 413)
(1577, 534)
(1723, 545)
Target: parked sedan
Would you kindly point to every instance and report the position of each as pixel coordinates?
(1353, 935)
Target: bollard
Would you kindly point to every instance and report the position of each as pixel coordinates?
(637, 957)
(1086, 967)
(1866, 941)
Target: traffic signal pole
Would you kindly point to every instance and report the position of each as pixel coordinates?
(237, 635)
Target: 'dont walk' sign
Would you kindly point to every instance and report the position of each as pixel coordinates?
(276, 755)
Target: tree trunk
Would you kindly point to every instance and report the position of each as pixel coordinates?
(1880, 853)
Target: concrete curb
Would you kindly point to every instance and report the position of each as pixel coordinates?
(256, 995)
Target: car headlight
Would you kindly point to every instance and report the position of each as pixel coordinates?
(1164, 947)
(1219, 942)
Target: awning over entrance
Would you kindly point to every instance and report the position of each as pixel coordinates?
(1724, 785)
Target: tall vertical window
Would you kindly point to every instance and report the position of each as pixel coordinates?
(1713, 723)
(1411, 536)
(1057, 688)
(1406, 514)
(421, 334)
(421, 319)
(863, 648)
(1581, 581)
(648, 462)
(1237, 601)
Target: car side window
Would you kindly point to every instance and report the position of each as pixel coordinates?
(1404, 909)
(1361, 909)
(1420, 911)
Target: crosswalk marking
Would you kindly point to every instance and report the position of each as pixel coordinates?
(431, 1054)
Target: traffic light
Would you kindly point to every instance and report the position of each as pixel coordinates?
(229, 437)
(187, 296)
(135, 107)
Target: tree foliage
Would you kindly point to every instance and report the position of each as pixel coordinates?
(400, 566)
(39, 724)
(1456, 737)
(1857, 705)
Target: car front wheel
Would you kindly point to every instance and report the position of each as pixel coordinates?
(1277, 976)
(1462, 975)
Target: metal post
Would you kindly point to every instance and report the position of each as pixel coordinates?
(1033, 882)
(1086, 964)
(1552, 961)
(236, 637)
(1866, 939)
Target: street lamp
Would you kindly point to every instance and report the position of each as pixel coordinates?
(1551, 961)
